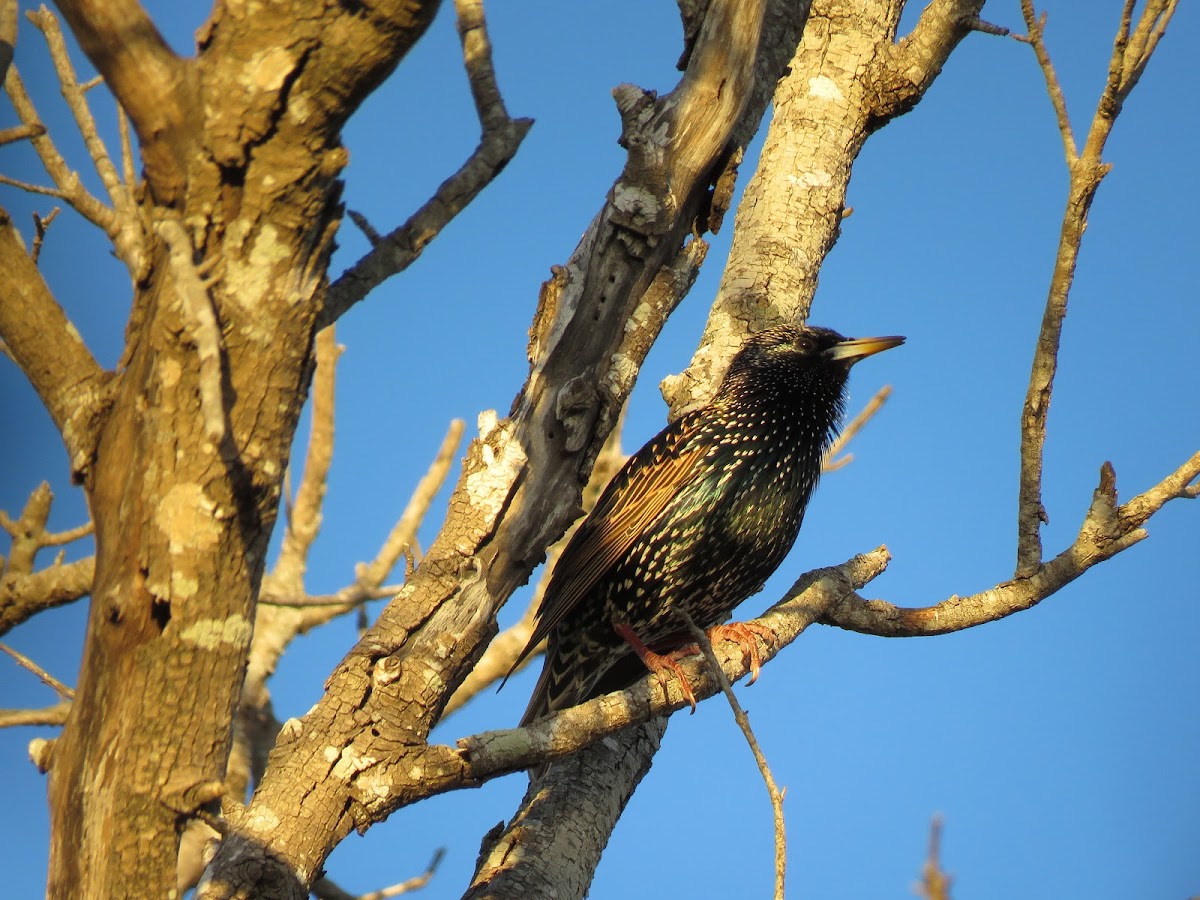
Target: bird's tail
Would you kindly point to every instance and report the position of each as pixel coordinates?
(562, 683)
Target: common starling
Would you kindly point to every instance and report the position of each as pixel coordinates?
(695, 520)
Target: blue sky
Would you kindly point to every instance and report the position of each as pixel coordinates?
(1060, 744)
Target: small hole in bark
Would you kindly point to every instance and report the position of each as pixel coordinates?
(160, 612)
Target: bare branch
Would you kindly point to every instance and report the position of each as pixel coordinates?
(49, 715)
(832, 462)
(29, 534)
(743, 721)
(198, 312)
(128, 173)
(351, 596)
(31, 188)
(147, 79)
(984, 27)
(935, 884)
(771, 274)
(64, 692)
(24, 596)
(903, 76)
(21, 133)
(561, 734)
(40, 227)
(327, 890)
(498, 144)
(365, 227)
(285, 611)
(49, 350)
(1087, 170)
(1106, 530)
(66, 181)
(70, 535)
(122, 201)
(1135, 50)
(304, 519)
(1035, 27)
(404, 532)
(23, 592)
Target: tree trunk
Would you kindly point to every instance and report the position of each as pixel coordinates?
(242, 154)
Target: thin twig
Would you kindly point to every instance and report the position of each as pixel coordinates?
(73, 92)
(46, 678)
(325, 889)
(49, 715)
(304, 515)
(935, 884)
(128, 172)
(1036, 28)
(128, 239)
(66, 180)
(350, 595)
(365, 227)
(852, 428)
(69, 536)
(21, 133)
(35, 188)
(985, 27)
(197, 304)
(498, 144)
(40, 226)
(404, 532)
(743, 721)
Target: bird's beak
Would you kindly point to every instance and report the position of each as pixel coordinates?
(852, 350)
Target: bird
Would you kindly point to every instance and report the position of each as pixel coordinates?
(696, 520)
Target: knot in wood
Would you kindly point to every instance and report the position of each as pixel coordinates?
(387, 670)
(575, 409)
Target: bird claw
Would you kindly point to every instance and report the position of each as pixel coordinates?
(743, 634)
(658, 664)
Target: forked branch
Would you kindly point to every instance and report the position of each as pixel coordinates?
(148, 80)
(1107, 529)
(1131, 53)
(498, 143)
(126, 229)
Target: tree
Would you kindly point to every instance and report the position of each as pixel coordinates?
(227, 238)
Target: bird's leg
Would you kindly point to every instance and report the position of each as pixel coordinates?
(742, 633)
(656, 662)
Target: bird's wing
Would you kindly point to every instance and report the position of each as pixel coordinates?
(639, 493)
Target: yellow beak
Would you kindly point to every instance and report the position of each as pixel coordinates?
(854, 349)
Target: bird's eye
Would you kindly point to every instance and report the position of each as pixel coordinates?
(805, 345)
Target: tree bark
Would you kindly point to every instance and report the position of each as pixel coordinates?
(242, 155)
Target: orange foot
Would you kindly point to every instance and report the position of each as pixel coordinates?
(743, 633)
(657, 663)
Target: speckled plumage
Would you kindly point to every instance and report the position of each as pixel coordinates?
(698, 518)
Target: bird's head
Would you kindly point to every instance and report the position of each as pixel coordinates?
(799, 357)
